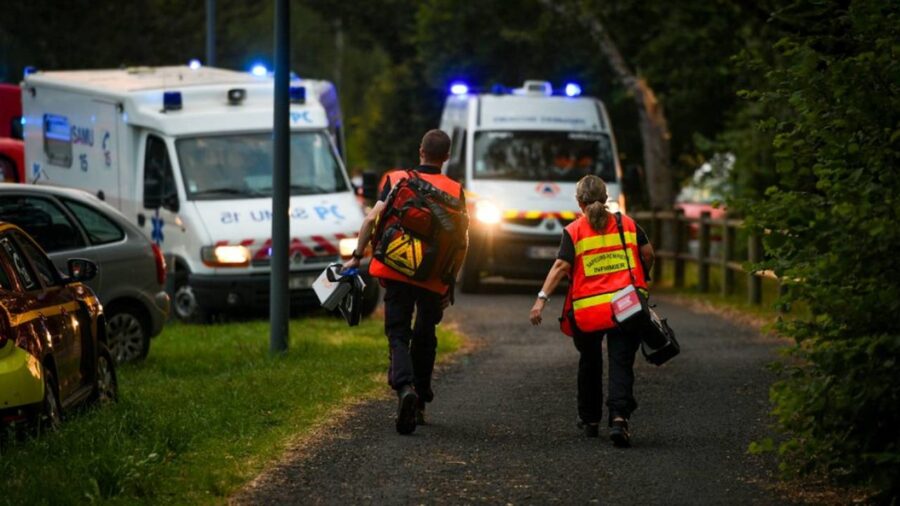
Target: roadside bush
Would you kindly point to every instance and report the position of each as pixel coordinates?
(832, 229)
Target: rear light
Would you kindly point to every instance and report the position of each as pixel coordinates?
(160, 264)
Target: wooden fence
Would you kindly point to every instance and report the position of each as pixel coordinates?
(675, 249)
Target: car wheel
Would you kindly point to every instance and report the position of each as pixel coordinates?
(8, 173)
(106, 388)
(49, 418)
(127, 332)
(185, 303)
(471, 276)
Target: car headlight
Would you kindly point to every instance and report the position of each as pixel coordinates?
(348, 246)
(225, 256)
(487, 212)
(612, 206)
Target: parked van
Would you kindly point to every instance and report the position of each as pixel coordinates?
(519, 154)
(186, 152)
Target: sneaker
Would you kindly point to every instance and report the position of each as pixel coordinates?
(590, 429)
(420, 412)
(618, 433)
(406, 410)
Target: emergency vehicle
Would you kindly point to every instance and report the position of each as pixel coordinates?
(519, 154)
(186, 152)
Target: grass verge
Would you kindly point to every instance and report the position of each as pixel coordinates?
(202, 415)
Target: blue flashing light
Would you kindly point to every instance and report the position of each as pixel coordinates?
(297, 94)
(171, 100)
(27, 71)
(22, 121)
(259, 70)
(194, 64)
(572, 90)
(459, 88)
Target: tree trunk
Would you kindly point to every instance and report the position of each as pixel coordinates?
(654, 128)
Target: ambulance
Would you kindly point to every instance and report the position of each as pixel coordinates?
(186, 152)
(519, 154)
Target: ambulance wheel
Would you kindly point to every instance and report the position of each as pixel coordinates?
(370, 297)
(471, 278)
(184, 303)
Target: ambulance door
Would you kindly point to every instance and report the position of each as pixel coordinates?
(104, 157)
(158, 215)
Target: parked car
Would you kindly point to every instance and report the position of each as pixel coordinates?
(67, 223)
(53, 343)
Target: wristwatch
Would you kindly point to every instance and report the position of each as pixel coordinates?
(543, 296)
(356, 255)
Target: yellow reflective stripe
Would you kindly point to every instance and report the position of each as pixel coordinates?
(606, 263)
(567, 215)
(533, 215)
(19, 319)
(604, 241)
(510, 214)
(592, 301)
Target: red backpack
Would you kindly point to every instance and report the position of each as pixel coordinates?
(422, 232)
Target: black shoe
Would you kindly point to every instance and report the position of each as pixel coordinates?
(590, 429)
(420, 412)
(618, 434)
(406, 410)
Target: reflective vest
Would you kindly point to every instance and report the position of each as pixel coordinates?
(381, 271)
(598, 273)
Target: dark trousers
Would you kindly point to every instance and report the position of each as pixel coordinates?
(412, 347)
(621, 351)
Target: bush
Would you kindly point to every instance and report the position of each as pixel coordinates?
(831, 224)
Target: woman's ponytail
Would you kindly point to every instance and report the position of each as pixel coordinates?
(591, 193)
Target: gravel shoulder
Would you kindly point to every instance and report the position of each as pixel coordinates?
(502, 427)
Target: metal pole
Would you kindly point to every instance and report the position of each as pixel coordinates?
(211, 33)
(281, 179)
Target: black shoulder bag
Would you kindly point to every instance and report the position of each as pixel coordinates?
(658, 343)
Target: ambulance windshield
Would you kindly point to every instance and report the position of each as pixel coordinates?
(543, 155)
(240, 166)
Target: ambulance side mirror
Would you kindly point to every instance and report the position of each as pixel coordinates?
(370, 182)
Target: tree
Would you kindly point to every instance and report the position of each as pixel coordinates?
(652, 121)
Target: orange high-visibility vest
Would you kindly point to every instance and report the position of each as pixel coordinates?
(599, 271)
(381, 271)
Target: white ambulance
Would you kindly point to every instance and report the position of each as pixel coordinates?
(186, 152)
(519, 154)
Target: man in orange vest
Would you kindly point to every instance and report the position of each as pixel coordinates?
(412, 347)
(599, 262)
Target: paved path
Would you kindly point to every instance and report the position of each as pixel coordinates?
(502, 427)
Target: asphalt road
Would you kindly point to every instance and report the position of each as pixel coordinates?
(502, 427)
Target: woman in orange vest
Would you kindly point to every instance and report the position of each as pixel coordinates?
(599, 261)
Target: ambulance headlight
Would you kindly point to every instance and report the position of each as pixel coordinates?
(487, 212)
(347, 246)
(225, 256)
(612, 206)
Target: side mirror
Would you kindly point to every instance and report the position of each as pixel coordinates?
(81, 269)
(370, 185)
(170, 202)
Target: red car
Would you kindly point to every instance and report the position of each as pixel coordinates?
(12, 149)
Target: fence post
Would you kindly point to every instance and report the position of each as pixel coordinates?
(703, 253)
(680, 247)
(656, 241)
(727, 254)
(754, 282)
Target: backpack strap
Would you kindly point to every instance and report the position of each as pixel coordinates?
(624, 246)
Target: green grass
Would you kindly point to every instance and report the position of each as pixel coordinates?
(202, 415)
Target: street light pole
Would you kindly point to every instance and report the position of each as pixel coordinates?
(281, 180)
(211, 33)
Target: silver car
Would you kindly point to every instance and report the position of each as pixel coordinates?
(131, 278)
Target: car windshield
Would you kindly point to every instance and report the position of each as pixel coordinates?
(240, 166)
(543, 155)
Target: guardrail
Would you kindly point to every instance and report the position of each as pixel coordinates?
(676, 250)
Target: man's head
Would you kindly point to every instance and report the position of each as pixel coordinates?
(435, 148)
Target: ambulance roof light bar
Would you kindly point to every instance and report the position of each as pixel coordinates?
(171, 101)
(459, 88)
(572, 89)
